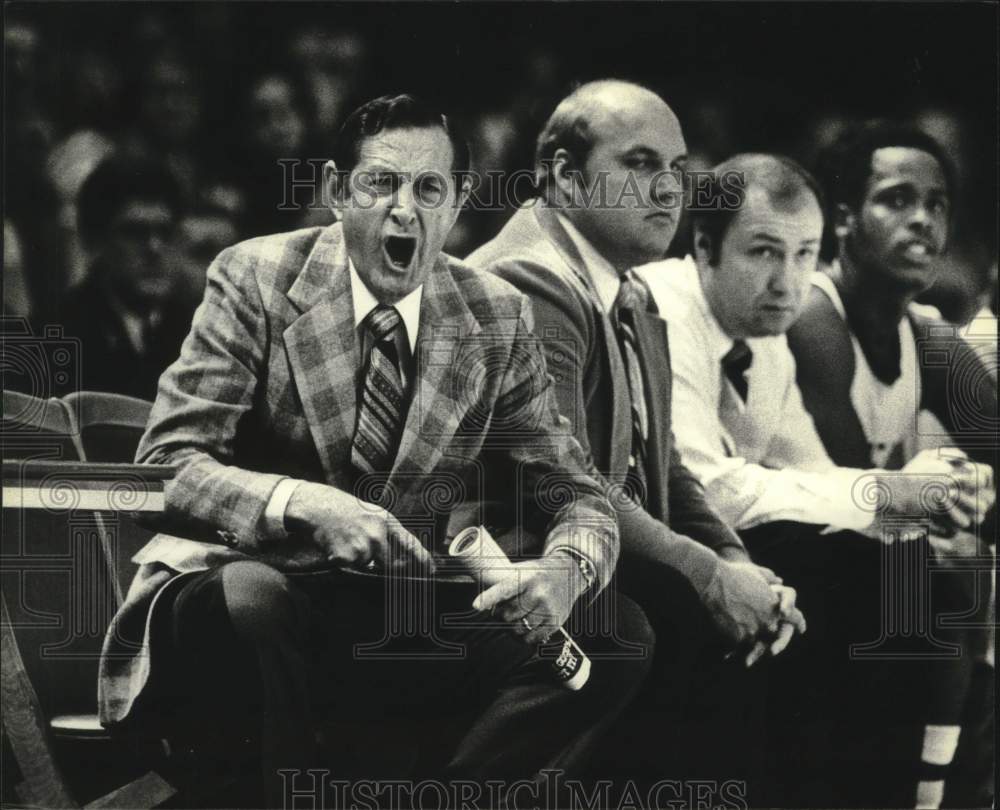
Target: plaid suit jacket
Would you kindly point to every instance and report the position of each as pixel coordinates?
(266, 386)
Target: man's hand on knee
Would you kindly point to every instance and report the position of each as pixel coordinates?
(742, 602)
(791, 619)
(354, 533)
(951, 490)
(536, 596)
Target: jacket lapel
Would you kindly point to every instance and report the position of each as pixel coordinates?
(435, 413)
(621, 417)
(322, 352)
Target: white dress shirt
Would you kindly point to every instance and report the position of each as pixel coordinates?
(364, 302)
(602, 273)
(760, 461)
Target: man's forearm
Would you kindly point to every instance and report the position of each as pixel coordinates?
(647, 542)
(590, 533)
(691, 513)
(206, 498)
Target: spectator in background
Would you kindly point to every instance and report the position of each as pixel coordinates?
(16, 301)
(170, 107)
(68, 166)
(29, 199)
(331, 63)
(205, 231)
(279, 115)
(93, 83)
(128, 313)
(494, 137)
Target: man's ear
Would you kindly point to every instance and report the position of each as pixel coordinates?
(464, 189)
(703, 253)
(564, 174)
(334, 186)
(843, 221)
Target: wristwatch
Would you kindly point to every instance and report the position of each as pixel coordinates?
(587, 568)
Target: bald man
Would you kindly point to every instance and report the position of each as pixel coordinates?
(608, 166)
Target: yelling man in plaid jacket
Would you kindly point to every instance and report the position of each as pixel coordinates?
(342, 390)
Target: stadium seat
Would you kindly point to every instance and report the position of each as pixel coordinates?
(58, 592)
(109, 427)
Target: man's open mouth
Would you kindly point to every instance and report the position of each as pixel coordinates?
(918, 251)
(400, 250)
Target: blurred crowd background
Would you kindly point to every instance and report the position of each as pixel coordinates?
(222, 92)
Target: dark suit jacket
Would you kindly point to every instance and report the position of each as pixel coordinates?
(108, 362)
(266, 388)
(535, 254)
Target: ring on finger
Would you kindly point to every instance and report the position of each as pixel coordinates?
(526, 623)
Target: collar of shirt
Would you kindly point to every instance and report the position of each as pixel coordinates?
(717, 340)
(408, 307)
(602, 273)
(134, 323)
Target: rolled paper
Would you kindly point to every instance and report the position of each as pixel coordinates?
(476, 550)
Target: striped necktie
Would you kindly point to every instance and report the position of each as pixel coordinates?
(380, 419)
(634, 297)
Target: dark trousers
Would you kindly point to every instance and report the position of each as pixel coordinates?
(700, 714)
(849, 700)
(255, 657)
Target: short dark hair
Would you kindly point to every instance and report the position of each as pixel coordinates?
(783, 179)
(845, 166)
(395, 112)
(570, 132)
(118, 180)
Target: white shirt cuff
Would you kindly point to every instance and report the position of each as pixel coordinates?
(274, 512)
(857, 491)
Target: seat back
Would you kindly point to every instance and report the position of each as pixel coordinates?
(54, 573)
(58, 592)
(110, 426)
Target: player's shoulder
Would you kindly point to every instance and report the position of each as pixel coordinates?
(820, 339)
(822, 311)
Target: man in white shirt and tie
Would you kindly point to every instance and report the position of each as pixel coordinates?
(743, 430)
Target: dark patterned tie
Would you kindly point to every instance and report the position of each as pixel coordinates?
(380, 420)
(633, 297)
(735, 364)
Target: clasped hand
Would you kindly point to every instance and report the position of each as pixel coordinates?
(943, 487)
(750, 603)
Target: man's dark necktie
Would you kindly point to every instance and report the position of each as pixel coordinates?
(380, 412)
(735, 363)
(633, 297)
